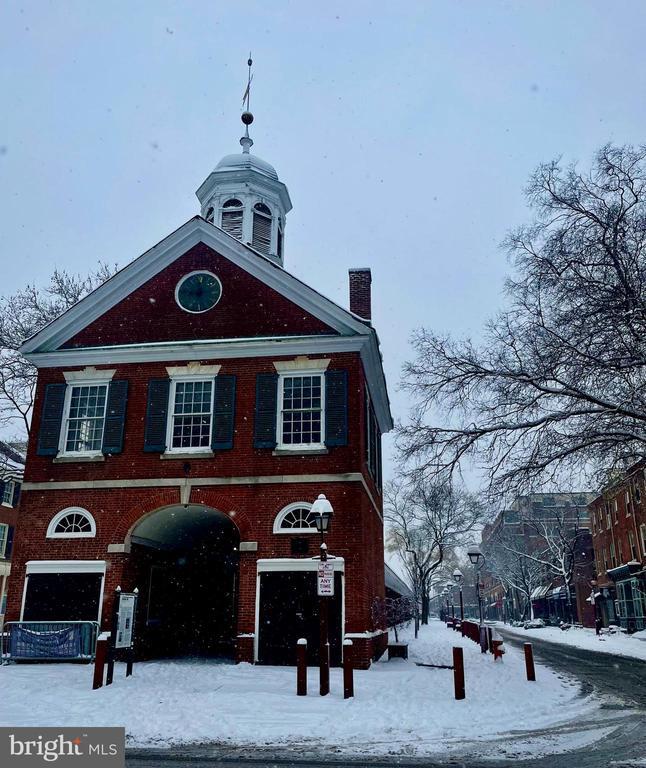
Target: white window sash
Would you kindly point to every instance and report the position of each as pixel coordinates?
(281, 399)
(171, 414)
(4, 536)
(7, 494)
(62, 446)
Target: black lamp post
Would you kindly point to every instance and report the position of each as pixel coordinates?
(323, 514)
(459, 578)
(478, 560)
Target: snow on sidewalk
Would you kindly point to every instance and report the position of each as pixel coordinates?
(399, 708)
(619, 644)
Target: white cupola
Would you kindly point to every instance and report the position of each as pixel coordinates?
(244, 197)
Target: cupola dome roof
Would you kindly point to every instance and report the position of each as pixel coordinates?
(244, 161)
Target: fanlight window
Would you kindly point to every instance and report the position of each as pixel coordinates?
(71, 523)
(232, 214)
(261, 239)
(295, 518)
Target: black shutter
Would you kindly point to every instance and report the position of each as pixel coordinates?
(266, 403)
(224, 401)
(51, 419)
(115, 416)
(9, 544)
(156, 415)
(2, 487)
(16, 494)
(336, 408)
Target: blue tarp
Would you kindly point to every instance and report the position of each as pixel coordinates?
(33, 643)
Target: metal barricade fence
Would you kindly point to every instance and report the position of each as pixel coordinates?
(49, 640)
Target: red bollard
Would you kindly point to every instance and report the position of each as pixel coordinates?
(458, 673)
(348, 670)
(301, 667)
(99, 659)
(529, 661)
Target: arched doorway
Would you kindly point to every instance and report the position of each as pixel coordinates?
(185, 561)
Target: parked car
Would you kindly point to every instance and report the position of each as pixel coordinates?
(534, 624)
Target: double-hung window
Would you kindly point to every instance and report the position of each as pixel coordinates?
(84, 418)
(300, 410)
(4, 537)
(191, 414)
(7, 493)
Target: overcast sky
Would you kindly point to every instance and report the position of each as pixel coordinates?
(405, 133)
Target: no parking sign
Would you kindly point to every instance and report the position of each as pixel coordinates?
(325, 581)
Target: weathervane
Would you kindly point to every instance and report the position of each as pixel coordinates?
(247, 117)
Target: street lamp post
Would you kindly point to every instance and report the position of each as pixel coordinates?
(593, 600)
(323, 514)
(459, 578)
(478, 560)
(449, 587)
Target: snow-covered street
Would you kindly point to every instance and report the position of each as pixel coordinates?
(399, 707)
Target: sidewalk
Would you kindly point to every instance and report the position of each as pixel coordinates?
(630, 646)
(399, 708)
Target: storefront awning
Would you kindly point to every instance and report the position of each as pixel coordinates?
(539, 593)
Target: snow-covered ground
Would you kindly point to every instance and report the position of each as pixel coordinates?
(399, 707)
(620, 644)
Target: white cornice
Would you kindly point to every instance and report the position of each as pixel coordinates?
(160, 256)
(228, 349)
(198, 350)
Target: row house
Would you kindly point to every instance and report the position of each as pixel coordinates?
(187, 414)
(534, 520)
(618, 525)
(12, 462)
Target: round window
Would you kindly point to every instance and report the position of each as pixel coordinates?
(198, 291)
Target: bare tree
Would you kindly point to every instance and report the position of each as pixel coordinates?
(22, 315)
(508, 561)
(426, 521)
(557, 382)
(557, 533)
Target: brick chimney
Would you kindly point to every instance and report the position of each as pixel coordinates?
(360, 303)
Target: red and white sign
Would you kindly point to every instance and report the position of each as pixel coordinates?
(325, 581)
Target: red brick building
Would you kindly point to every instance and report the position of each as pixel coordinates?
(618, 524)
(187, 414)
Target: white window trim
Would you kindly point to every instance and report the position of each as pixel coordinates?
(64, 566)
(174, 380)
(4, 528)
(299, 447)
(284, 512)
(62, 442)
(266, 565)
(51, 528)
(9, 484)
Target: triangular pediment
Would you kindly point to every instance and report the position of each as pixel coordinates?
(138, 305)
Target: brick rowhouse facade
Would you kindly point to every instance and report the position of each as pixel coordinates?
(520, 527)
(216, 536)
(618, 525)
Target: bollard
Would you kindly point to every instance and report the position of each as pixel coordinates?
(529, 661)
(348, 681)
(458, 673)
(301, 667)
(99, 659)
(490, 639)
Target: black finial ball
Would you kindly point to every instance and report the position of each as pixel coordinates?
(249, 62)
(247, 118)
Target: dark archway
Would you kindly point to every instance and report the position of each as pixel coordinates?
(185, 559)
